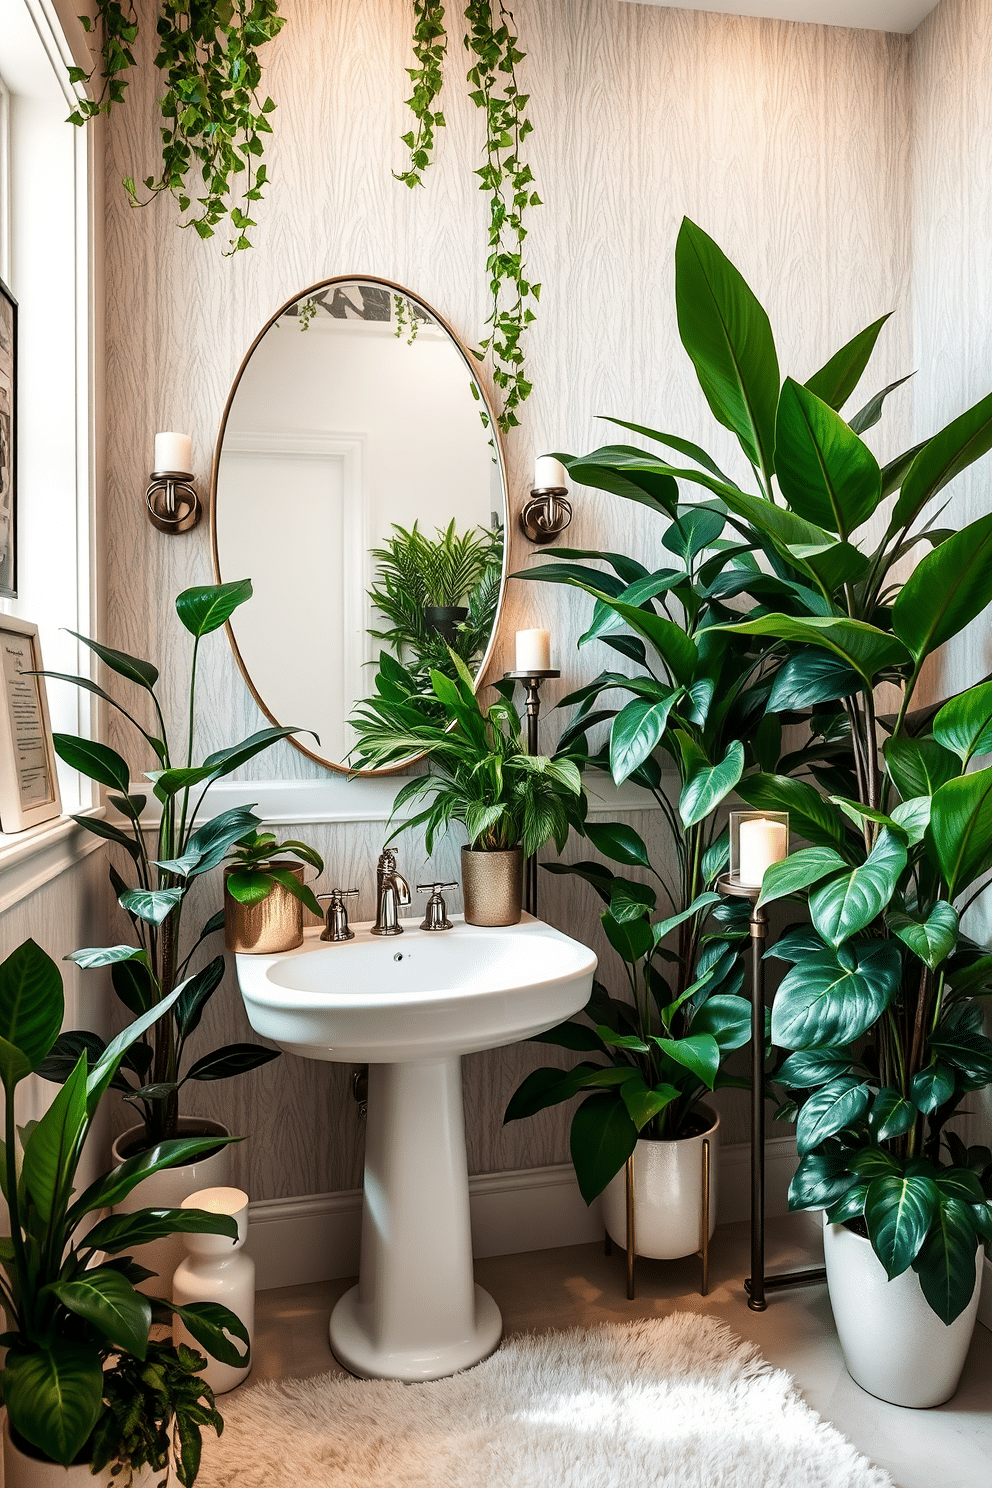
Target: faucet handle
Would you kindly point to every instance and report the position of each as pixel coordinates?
(336, 923)
(387, 860)
(436, 914)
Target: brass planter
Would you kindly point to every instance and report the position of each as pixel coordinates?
(492, 886)
(272, 925)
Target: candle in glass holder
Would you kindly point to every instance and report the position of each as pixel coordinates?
(761, 843)
(533, 653)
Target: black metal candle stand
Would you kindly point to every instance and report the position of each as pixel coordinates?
(532, 682)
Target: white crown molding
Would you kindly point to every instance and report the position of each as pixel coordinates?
(899, 16)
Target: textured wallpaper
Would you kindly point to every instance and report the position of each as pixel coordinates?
(791, 144)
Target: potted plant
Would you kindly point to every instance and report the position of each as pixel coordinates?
(480, 775)
(146, 972)
(264, 894)
(879, 1016)
(154, 1411)
(69, 1285)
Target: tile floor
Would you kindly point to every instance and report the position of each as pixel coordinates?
(950, 1447)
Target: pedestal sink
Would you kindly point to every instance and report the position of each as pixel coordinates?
(410, 1006)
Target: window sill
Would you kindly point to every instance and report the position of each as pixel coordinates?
(33, 858)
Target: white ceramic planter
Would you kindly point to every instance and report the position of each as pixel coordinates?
(895, 1346)
(668, 1192)
(22, 1471)
(217, 1270)
(166, 1190)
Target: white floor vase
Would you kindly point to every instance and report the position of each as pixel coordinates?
(894, 1344)
(668, 1191)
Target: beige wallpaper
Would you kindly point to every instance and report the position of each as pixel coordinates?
(790, 144)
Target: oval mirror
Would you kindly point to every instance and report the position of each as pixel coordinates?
(359, 482)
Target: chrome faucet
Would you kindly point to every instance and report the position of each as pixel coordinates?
(391, 891)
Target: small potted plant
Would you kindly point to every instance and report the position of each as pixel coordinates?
(480, 775)
(264, 894)
(69, 1286)
(154, 1411)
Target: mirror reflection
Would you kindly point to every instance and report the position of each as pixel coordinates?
(359, 483)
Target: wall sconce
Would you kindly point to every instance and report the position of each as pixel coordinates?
(546, 515)
(172, 502)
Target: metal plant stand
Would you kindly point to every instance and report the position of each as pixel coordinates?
(532, 682)
(758, 1283)
(631, 1227)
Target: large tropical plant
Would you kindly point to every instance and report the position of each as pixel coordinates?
(146, 972)
(880, 1015)
(69, 1286)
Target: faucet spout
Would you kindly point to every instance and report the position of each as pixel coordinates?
(392, 891)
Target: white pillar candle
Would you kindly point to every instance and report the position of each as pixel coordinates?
(549, 473)
(173, 452)
(533, 651)
(761, 843)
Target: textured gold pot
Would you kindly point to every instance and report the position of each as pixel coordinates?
(493, 886)
(274, 924)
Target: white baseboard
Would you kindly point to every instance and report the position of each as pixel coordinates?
(315, 1237)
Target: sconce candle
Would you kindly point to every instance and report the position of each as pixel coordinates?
(173, 452)
(533, 651)
(762, 843)
(549, 474)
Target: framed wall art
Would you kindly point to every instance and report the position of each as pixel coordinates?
(8, 443)
(29, 787)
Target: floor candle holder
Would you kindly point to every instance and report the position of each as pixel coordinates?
(758, 1283)
(532, 682)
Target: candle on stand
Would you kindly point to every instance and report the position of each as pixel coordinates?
(549, 474)
(761, 843)
(173, 452)
(533, 651)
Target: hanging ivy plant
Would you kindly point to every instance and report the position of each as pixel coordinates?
(213, 119)
(505, 177)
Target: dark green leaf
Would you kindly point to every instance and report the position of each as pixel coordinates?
(107, 1299)
(206, 608)
(836, 381)
(210, 1324)
(707, 786)
(947, 589)
(809, 1067)
(798, 871)
(864, 648)
(890, 1115)
(94, 760)
(31, 1010)
(820, 1180)
(941, 458)
(899, 1211)
(850, 902)
(810, 816)
(959, 837)
(964, 724)
(635, 733)
(822, 1002)
(130, 667)
(830, 1110)
(122, 1232)
(233, 1059)
(619, 843)
(932, 939)
(931, 1087)
(54, 1396)
(827, 474)
(919, 767)
(602, 1138)
(811, 676)
(946, 1263)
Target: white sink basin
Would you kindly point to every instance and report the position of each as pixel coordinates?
(410, 1006)
(416, 996)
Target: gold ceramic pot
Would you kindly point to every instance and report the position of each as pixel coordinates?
(492, 886)
(272, 925)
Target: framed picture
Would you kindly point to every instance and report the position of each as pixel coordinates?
(8, 443)
(29, 786)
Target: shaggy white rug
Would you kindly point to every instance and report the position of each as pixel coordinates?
(675, 1402)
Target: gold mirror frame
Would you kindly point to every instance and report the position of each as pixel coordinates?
(470, 365)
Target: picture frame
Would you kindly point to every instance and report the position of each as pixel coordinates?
(29, 785)
(8, 443)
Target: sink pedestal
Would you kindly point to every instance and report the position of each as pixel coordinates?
(416, 1313)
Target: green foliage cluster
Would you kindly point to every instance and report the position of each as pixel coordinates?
(146, 973)
(213, 118)
(505, 176)
(480, 774)
(877, 1028)
(154, 1410)
(256, 867)
(68, 1287)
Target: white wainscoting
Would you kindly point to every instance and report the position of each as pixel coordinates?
(315, 1237)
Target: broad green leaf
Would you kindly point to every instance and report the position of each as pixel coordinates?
(577, 1036)
(946, 590)
(820, 1180)
(946, 1262)
(697, 1052)
(964, 725)
(808, 677)
(661, 928)
(48, 1161)
(959, 837)
(864, 648)
(684, 446)
(960, 1183)
(151, 905)
(725, 1016)
(651, 487)
(205, 608)
(635, 733)
(891, 1115)
(931, 1087)
(168, 783)
(106, 1067)
(829, 1111)
(226, 760)
(851, 1205)
(919, 767)
(826, 473)
(676, 649)
(798, 871)
(54, 1396)
(822, 1002)
(595, 874)
(941, 458)
(134, 984)
(932, 939)
(913, 818)
(109, 832)
(602, 1138)
(122, 1232)
(708, 784)
(695, 529)
(107, 1299)
(94, 760)
(631, 901)
(729, 339)
(249, 885)
(810, 816)
(874, 1162)
(810, 1067)
(868, 416)
(619, 843)
(111, 1187)
(210, 843)
(836, 381)
(232, 1059)
(644, 1103)
(851, 901)
(215, 1327)
(107, 956)
(196, 993)
(969, 1053)
(542, 1088)
(31, 1010)
(899, 1211)
(631, 939)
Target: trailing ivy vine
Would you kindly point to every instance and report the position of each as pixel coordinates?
(213, 118)
(504, 176)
